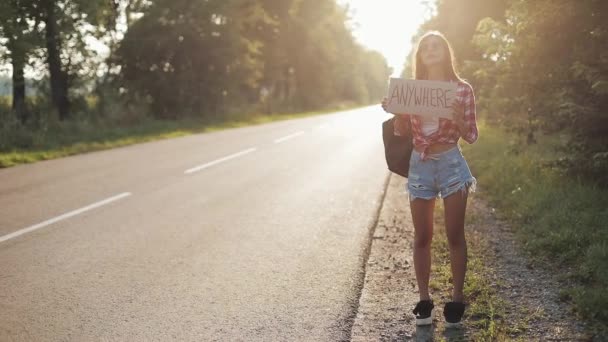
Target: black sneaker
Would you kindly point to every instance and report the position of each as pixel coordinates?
(453, 311)
(424, 312)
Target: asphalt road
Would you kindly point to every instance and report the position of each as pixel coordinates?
(254, 233)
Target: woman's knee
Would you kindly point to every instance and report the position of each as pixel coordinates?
(423, 240)
(456, 238)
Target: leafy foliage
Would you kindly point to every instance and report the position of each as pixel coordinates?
(181, 58)
(546, 65)
(214, 56)
(538, 67)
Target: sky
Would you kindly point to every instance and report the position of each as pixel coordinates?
(387, 26)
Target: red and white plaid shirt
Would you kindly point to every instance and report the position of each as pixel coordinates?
(448, 131)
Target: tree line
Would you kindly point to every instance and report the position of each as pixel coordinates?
(538, 67)
(178, 58)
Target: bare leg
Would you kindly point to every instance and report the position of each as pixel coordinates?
(422, 217)
(455, 208)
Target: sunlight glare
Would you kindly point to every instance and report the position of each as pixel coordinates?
(388, 26)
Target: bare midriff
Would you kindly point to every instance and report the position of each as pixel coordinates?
(436, 148)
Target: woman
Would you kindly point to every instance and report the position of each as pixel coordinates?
(438, 169)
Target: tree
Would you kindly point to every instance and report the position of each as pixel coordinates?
(21, 39)
(66, 24)
(546, 64)
(58, 76)
(193, 57)
(311, 57)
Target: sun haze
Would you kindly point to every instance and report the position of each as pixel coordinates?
(388, 26)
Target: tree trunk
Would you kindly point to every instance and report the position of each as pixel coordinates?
(18, 63)
(59, 86)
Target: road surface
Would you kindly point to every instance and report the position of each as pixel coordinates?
(253, 233)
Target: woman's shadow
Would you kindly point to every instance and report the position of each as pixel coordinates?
(427, 333)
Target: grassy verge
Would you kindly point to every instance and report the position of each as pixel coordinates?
(561, 222)
(64, 139)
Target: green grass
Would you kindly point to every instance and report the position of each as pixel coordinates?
(561, 222)
(59, 139)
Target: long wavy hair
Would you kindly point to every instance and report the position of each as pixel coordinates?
(420, 71)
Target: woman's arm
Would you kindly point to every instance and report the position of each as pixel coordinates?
(465, 116)
(401, 122)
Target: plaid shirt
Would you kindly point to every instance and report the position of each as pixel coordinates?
(448, 131)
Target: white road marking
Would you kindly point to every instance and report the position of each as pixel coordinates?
(288, 137)
(325, 125)
(64, 216)
(200, 167)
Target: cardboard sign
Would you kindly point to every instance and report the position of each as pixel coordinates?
(421, 97)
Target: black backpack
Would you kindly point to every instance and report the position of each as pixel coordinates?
(397, 149)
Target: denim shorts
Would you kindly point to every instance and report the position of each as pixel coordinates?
(440, 175)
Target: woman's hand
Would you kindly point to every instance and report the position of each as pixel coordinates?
(458, 116)
(401, 125)
(384, 103)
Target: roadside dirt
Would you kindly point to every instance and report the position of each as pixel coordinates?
(390, 291)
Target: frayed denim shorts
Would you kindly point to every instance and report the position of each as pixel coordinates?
(440, 175)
